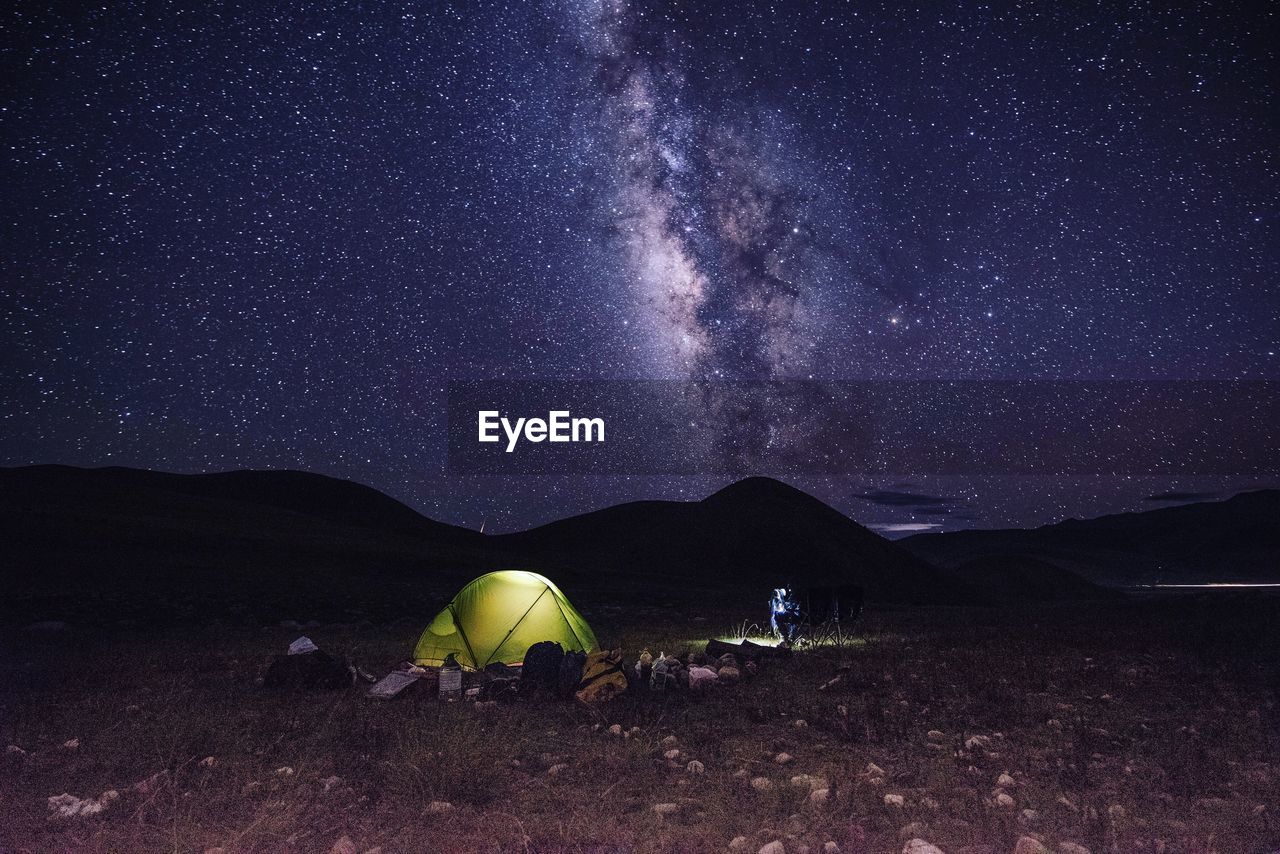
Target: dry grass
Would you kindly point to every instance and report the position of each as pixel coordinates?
(1126, 728)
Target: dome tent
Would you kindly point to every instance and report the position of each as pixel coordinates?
(497, 617)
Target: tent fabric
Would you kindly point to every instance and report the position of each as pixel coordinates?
(498, 616)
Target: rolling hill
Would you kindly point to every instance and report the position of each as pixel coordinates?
(757, 531)
(124, 545)
(1233, 540)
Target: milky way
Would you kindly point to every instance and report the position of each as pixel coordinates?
(714, 231)
(240, 236)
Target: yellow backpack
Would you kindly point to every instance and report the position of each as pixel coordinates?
(602, 677)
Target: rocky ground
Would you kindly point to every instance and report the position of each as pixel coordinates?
(1127, 727)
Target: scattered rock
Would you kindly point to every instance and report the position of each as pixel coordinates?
(894, 800)
(557, 768)
(209, 761)
(666, 809)
(71, 744)
(1003, 799)
(344, 845)
(810, 782)
(830, 848)
(800, 723)
(1072, 848)
(818, 797)
(671, 755)
(438, 808)
(1116, 812)
(920, 846)
(670, 741)
(774, 847)
(1030, 845)
(761, 784)
(783, 758)
(616, 729)
(1006, 781)
(738, 843)
(934, 735)
(15, 750)
(1068, 803)
(284, 771)
(975, 742)
(914, 830)
(330, 782)
(930, 804)
(695, 767)
(1029, 817)
(69, 806)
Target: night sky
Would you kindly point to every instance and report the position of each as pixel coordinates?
(236, 238)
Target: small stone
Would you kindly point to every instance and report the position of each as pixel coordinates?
(695, 767)
(616, 729)
(438, 808)
(209, 761)
(914, 830)
(1116, 812)
(774, 847)
(738, 843)
(1072, 848)
(874, 770)
(800, 723)
(1030, 845)
(929, 804)
(934, 735)
(892, 800)
(1068, 803)
(666, 809)
(1029, 817)
(818, 797)
(1006, 781)
(557, 768)
(344, 845)
(15, 750)
(920, 846)
(783, 758)
(284, 771)
(671, 755)
(761, 784)
(330, 782)
(670, 741)
(71, 744)
(1004, 799)
(830, 848)
(975, 742)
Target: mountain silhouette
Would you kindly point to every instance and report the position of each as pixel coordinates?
(758, 531)
(1233, 540)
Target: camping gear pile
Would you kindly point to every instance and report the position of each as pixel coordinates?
(511, 635)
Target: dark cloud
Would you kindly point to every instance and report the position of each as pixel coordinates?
(1181, 497)
(893, 498)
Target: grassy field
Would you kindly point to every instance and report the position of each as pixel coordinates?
(1125, 727)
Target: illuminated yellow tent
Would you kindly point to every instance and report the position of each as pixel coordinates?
(497, 617)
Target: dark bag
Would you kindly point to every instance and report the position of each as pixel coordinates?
(541, 671)
(570, 673)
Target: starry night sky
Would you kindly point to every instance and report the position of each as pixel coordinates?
(238, 238)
